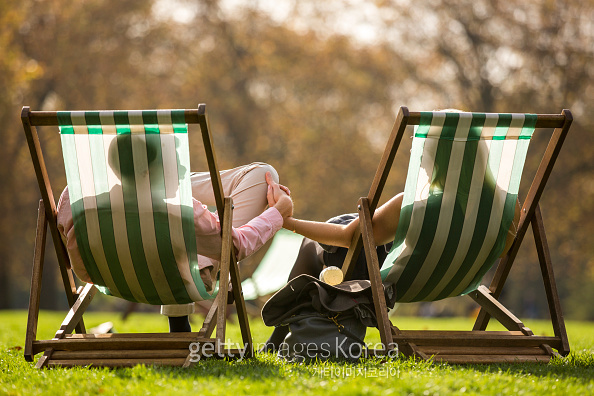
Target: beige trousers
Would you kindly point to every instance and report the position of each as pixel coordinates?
(247, 186)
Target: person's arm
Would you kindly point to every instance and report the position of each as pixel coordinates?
(247, 238)
(513, 229)
(325, 233)
(384, 223)
(66, 230)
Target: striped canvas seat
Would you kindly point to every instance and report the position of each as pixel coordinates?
(459, 202)
(128, 176)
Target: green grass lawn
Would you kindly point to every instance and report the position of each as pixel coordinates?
(266, 375)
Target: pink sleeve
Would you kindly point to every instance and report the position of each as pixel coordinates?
(66, 229)
(247, 239)
(252, 236)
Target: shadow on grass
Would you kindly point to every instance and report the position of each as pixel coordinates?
(261, 367)
(578, 366)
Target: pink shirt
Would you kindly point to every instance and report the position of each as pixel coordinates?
(247, 239)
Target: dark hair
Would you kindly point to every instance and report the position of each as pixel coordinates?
(121, 159)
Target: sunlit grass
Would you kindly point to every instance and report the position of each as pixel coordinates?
(267, 375)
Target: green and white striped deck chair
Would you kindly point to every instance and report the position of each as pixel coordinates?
(128, 176)
(459, 202)
(129, 182)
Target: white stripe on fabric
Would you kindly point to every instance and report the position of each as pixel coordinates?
(515, 127)
(470, 217)
(116, 198)
(409, 194)
(183, 153)
(418, 212)
(446, 212)
(164, 120)
(145, 214)
(489, 126)
(136, 122)
(174, 214)
(90, 204)
(503, 178)
(107, 122)
(79, 122)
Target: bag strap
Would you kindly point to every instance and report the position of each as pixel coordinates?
(344, 330)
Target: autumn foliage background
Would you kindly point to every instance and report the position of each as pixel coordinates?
(312, 88)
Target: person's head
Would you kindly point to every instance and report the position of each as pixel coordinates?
(121, 158)
(481, 156)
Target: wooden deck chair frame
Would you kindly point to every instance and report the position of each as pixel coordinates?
(518, 344)
(117, 350)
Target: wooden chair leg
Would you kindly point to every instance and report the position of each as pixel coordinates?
(408, 348)
(486, 300)
(546, 268)
(209, 321)
(72, 319)
(381, 309)
(226, 257)
(43, 361)
(242, 316)
(36, 278)
(499, 279)
(76, 312)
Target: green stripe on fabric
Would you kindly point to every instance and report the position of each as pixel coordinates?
(161, 222)
(483, 216)
(406, 210)
(509, 208)
(178, 119)
(93, 123)
(151, 122)
(92, 118)
(529, 126)
(457, 225)
(493, 246)
(160, 219)
(64, 118)
(77, 207)
(448, 131)
(434, 201)
(502, 127)
(450, 126)
(424, 124)
(485, 206)
(121, 119)
(65, 123)
(498, 246)
(187, 211)
(104, 214)
(476, 126)
(469, 271)
(132, 219)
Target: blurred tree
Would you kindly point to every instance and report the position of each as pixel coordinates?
(530, 56)
(15, 71)
(311, 90)
(58, 54)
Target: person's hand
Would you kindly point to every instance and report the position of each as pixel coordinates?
(278, 197)
(276, 192)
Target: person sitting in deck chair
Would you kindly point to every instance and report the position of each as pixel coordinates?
(253, 225)
(325, 244)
